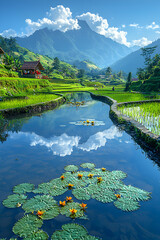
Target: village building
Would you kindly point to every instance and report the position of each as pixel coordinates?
(1, 55)
(32, 69)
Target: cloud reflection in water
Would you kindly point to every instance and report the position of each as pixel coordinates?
(63, 145)
(100, 138)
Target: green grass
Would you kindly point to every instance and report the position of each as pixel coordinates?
(32, 99)
(7, 73)
(125, 96)
(146, 113)
(22, 86)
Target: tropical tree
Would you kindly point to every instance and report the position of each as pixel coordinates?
(56, 63)
(81, 73)
(108, 72)
(129, 81)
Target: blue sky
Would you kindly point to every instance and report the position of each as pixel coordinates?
(128, 22)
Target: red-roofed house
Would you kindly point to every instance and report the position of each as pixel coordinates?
(32, 69)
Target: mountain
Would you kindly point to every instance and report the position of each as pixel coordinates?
(23, 54)
(134, 60)
(86, 65)
(75, 45)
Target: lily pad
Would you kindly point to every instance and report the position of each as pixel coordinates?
(72, 205)
(51, 213)
(81, 194)
(71, 168)
(14, 200)
(39, 202)
(134, 193)
(72, 231)
(39, 235)
(51, 189)
(105, 195)
(126, 204)
(23, 188)
(27, 226)
(117, 175)
(88, 165)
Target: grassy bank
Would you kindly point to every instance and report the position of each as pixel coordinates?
(120, 96)
(31, 99)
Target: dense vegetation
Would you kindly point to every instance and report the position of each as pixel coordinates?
(149, 76)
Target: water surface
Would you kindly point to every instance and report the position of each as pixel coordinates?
(37, 149)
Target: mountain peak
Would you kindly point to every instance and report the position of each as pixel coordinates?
(84, 25)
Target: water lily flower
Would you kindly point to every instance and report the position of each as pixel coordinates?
(118, 195)
(103, 169)
(73, 211)
(62, 177)
(99, 179)
(92, 123)
(90, 175)
(80, 175)
(83, 206)
(18, 205)
(40, 213)
(68, 199)
(88, 121)
(70, 185)
(62, 204)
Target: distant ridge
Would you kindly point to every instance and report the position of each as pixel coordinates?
(134, 60)
(75, 45)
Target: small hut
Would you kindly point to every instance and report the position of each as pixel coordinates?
(32, 69)
(1, 55)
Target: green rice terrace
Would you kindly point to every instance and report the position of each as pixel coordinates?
(147, 114)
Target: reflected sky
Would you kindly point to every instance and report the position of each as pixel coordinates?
(64, 144)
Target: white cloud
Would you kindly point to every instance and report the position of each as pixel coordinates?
(61, 145)
(118, 36)
(99, 139)
(9, 33)
(57, 18)
(141, 42)
(153, 26)
(158, 32)
(95, 22)
(135, 25)
(100, 25)
(123, 25)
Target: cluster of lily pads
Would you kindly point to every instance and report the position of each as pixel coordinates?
(88, 122)
(77, 104)
(95, 183)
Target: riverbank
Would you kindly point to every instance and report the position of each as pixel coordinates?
(33, 108)
(141, 135)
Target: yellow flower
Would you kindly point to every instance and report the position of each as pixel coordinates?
(68, 199)
(70, 185)
(62, 177)
(40, 213)
(90, 175)
(83, 206)
(118, 195)
(18, 205)
(62, 204)
(92, 123)
(99, 179)
(73, 211)
(80, 175)
(103, 169)
(88, 121)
